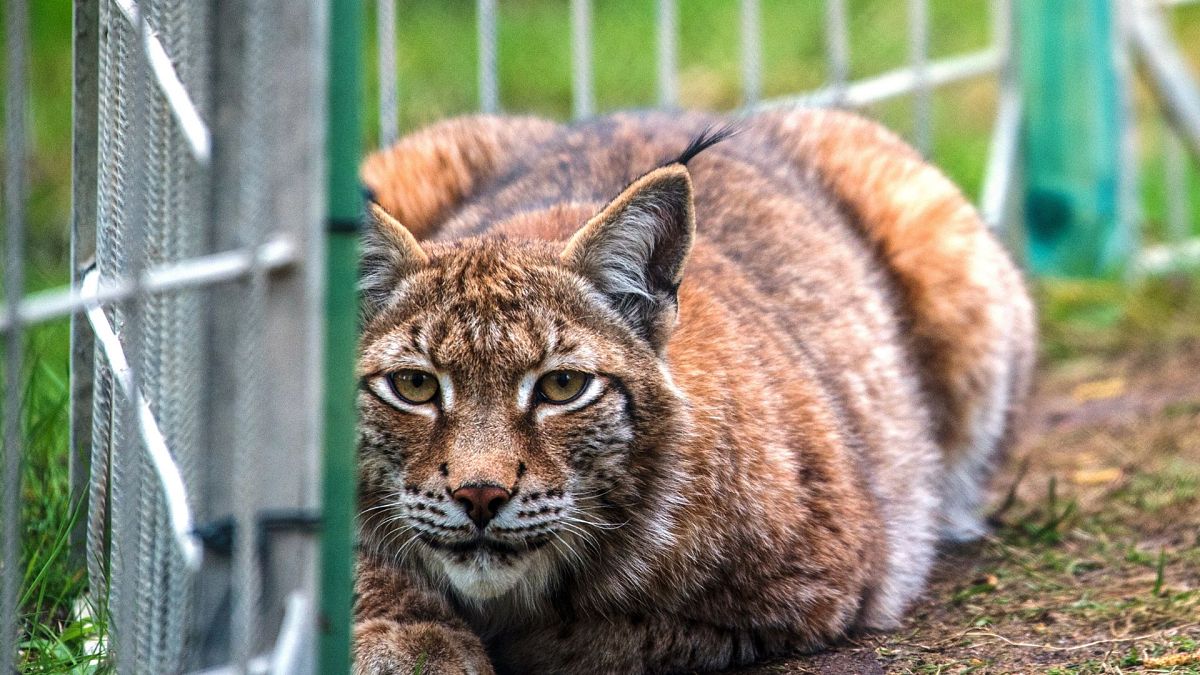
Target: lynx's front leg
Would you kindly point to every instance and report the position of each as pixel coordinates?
(400, 629)
(636, 644)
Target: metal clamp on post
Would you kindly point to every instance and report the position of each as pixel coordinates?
(218, 536)
(345, 225)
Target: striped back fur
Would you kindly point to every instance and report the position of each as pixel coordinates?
(792, 360)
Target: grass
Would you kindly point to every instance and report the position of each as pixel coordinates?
(55, 640)
(1072, 561)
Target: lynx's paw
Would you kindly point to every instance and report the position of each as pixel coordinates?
(384, 647)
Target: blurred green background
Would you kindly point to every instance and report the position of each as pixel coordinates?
(436, 57)
(436, 53)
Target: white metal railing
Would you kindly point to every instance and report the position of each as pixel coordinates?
(1147, 38)
(1177, 92)
(919, 78)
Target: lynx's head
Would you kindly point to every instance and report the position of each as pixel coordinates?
(515, 400)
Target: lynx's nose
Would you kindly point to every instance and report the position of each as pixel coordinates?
(481, 502)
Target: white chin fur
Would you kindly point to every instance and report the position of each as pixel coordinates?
(481, 578)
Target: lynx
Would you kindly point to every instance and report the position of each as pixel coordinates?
(649, 393)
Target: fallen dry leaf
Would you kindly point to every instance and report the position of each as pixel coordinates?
(1099, 390)
(1096, 476)
(988, 580)
(1171, 660)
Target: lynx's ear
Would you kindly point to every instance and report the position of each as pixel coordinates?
(635, 248)
(390, 253)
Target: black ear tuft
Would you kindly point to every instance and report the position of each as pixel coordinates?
(635, 249)
(707, 138)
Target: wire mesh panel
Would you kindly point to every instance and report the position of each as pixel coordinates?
(204, 487)
(151, 195)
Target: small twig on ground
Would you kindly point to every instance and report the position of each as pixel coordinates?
(981, 632)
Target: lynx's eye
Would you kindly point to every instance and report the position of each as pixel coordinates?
(414, 386)
(562, 386)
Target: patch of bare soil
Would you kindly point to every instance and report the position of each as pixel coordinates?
(1094, 562)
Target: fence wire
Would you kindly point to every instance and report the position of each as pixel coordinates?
(667, 28)
(385, 26)
(489, 87)
(581, 58)
(751, 34)
(837, 48)
(918, 54)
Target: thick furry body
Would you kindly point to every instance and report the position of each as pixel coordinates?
(776, 432)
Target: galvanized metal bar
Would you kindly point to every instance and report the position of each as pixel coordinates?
(837, 47)
(582, 101)
(106, 428)
(277, 254)
(1000, 13)
(1001, 181)
(84, 176)
(751, 32)
(16, 84)
(489, 88)
(385, 36)
(1169, 74)
(1000, 176)
(918, 54)
(897, 82)
(667, 23)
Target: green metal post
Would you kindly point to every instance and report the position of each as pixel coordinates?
(341, 336)
(1073, 137)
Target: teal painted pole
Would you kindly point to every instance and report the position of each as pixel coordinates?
(1073, 127)
(341, 336)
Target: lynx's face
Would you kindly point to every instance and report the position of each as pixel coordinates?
(513, 393)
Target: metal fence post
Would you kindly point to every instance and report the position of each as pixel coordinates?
(345, 207)
(84, 167)
(1073, 137)
(16, 182)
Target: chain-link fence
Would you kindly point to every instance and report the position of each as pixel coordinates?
(198, 240)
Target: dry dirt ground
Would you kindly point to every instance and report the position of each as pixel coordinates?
(1094, 562)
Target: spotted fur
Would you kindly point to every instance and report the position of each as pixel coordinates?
(806, 354)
